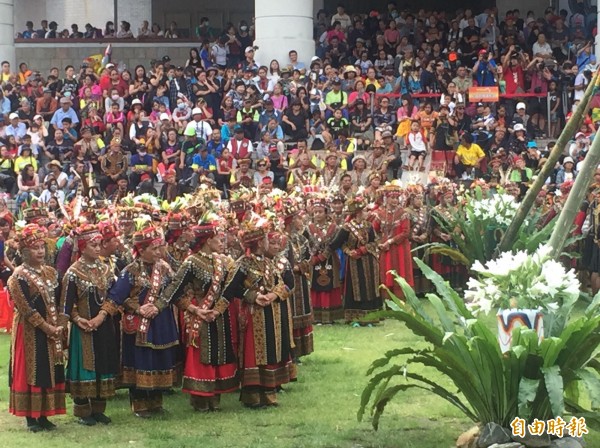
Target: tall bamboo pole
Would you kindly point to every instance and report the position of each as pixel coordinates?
(564, 224)
(569, 130)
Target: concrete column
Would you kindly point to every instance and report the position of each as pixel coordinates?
(7, 33)
(281, 26)
(134, 12)
(598, 40)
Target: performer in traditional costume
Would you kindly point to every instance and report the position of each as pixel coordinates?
(392, 224)
(93, 350)
(331, 174)
(441, 217)
(265, 335)
(361, 282)
(210, 320)
(149, 337)
(419, 234)
(298, 255)
(178, 239)
(36, 375)
(326, 293)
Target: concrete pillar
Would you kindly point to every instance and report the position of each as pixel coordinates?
(598, 40)
(134, 12)
(281, 26)
(7, 33)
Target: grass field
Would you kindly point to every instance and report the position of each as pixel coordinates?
(317, 411)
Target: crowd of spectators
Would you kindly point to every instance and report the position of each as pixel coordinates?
(384, 88)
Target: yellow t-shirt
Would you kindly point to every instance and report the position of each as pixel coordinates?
(470, 156)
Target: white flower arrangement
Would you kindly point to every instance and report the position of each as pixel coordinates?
(524, 281)
(500, 208)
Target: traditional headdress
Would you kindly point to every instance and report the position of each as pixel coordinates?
(31, 235)
(108, 230)
(85, 234)
(34, 213)
(254, 229)
(392, 189)
(146, 234)
(565, 187)
(356, 204)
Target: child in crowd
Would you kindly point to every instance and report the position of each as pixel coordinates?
(416, 141)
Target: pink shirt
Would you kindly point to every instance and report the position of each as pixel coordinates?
(402, 113)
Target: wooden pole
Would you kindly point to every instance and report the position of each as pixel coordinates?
(569, 130)
(564, 224)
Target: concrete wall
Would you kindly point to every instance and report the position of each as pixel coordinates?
(63, 12)
(523, 6)
(134, 12)
(187, 14)
(44, 57)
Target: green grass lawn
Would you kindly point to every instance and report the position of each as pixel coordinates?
(317, 411)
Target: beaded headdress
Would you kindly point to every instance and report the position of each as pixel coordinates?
(31, 235)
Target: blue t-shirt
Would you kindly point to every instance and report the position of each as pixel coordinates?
(206, 163)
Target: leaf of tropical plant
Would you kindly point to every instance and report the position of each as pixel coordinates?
(442, 313)
(553, 382)
(593, 307)
(411, 298)
(453, 254)
(592, 420)
(380, 405)
(591, 382)
(445, 394)
(372, 384)
(453, 301)
(528, 389)
(382, 362)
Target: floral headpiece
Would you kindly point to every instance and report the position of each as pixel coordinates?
(31, 235)
(392, 189)
(147, 234)
(108, 230)
(356, 204)
(254, 229)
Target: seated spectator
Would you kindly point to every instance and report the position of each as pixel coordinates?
(28, 183)
(51, 190)
(468, 157)
(16, 128)
(295, 121)
(54, 170)
(141, 167)
(7, 171)
(25, 158)
(65, 111)
(204, 165)
(46, 105)
(124, 31)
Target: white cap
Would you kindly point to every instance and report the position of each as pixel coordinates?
(13, 116)
(196, 111)
(38, 116)
(519, 127)
(315, 58)
(579, 134)
(110, 65)
(249, 49)
(521, 106)
(136, 101)
(568, 159)
(164, 116)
